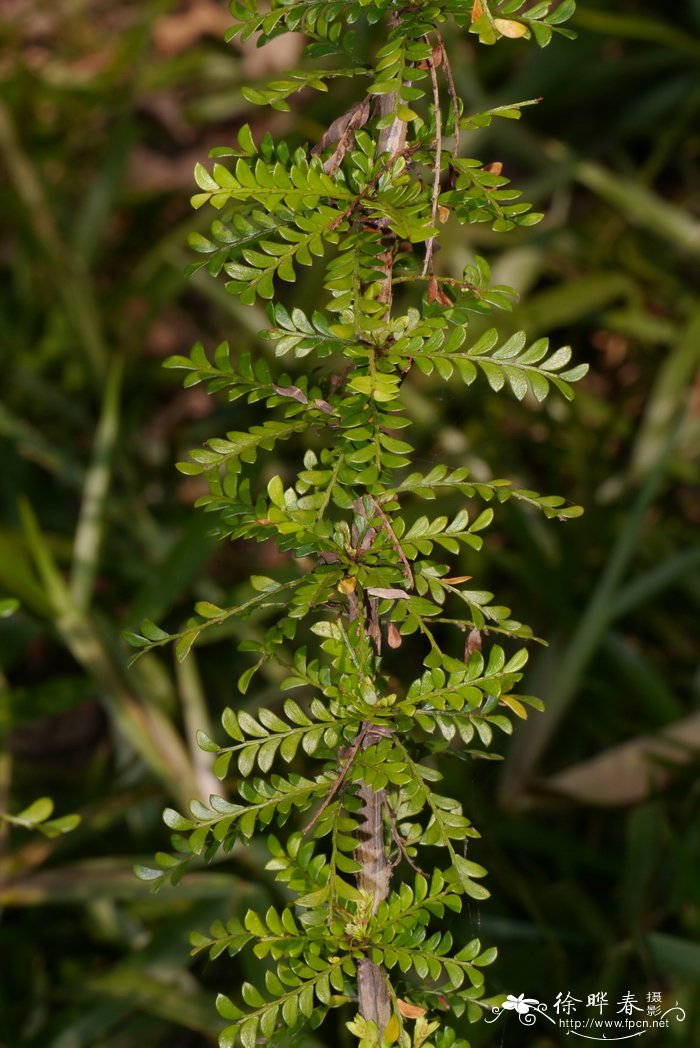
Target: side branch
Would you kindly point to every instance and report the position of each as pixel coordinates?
(349, 758)
(453, 92)
(386, 524)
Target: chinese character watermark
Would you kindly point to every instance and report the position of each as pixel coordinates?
(566, 1004)
(598, 1000)
(628, 1004)
(605, 1020)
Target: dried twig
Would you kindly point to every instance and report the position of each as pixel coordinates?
(342, 132)
(400, 844)
(386, 523)
(430, 246)
(453, 93)
(352, 753)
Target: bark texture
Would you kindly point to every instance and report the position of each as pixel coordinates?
(373, 878)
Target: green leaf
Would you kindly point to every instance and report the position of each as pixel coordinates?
(247, 144)
(38, 811)
(203, 179)
(176, 821)
(205, 743)
(147, 873)
(184, 645)
(208, 610)
(56, 827)
(465, 872)
(8, 606)
(153, 632)
(275, 490)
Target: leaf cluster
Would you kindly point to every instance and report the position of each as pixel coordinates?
(366, 204)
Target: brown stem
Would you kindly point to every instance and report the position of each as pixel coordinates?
(374, 1000)
(430, 247)
(453, 93)
(401, 853)
(372, 989)
(392, 141)
(373, 995)
(386, 523)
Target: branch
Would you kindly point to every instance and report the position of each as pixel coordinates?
(430, 246)
(402, 853)
(392, 140)
(453, 92)
(351, 754)
(372, 990)
(408, 573)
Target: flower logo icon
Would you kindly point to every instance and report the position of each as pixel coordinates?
(521, 1004)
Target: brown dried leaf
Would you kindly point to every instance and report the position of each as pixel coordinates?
(345, 142)
(408, 1010)
(628, 773)
(495, 168)
(388, 593)
(367, 540)
(437, 56)
(328, 558)
(473, 644)
(352, 119)
(436, 294)
(394, 638)
(292, 391)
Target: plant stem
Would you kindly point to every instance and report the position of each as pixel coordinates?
(430, 246)
(372, 989)
(374, 999)
(392, 140)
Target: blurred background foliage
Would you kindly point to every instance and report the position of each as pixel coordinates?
(590, 824)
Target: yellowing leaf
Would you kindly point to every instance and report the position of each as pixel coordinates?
(515, 705)
(507, 27)
(392, 1031)
(477, 10)
(348, 585)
